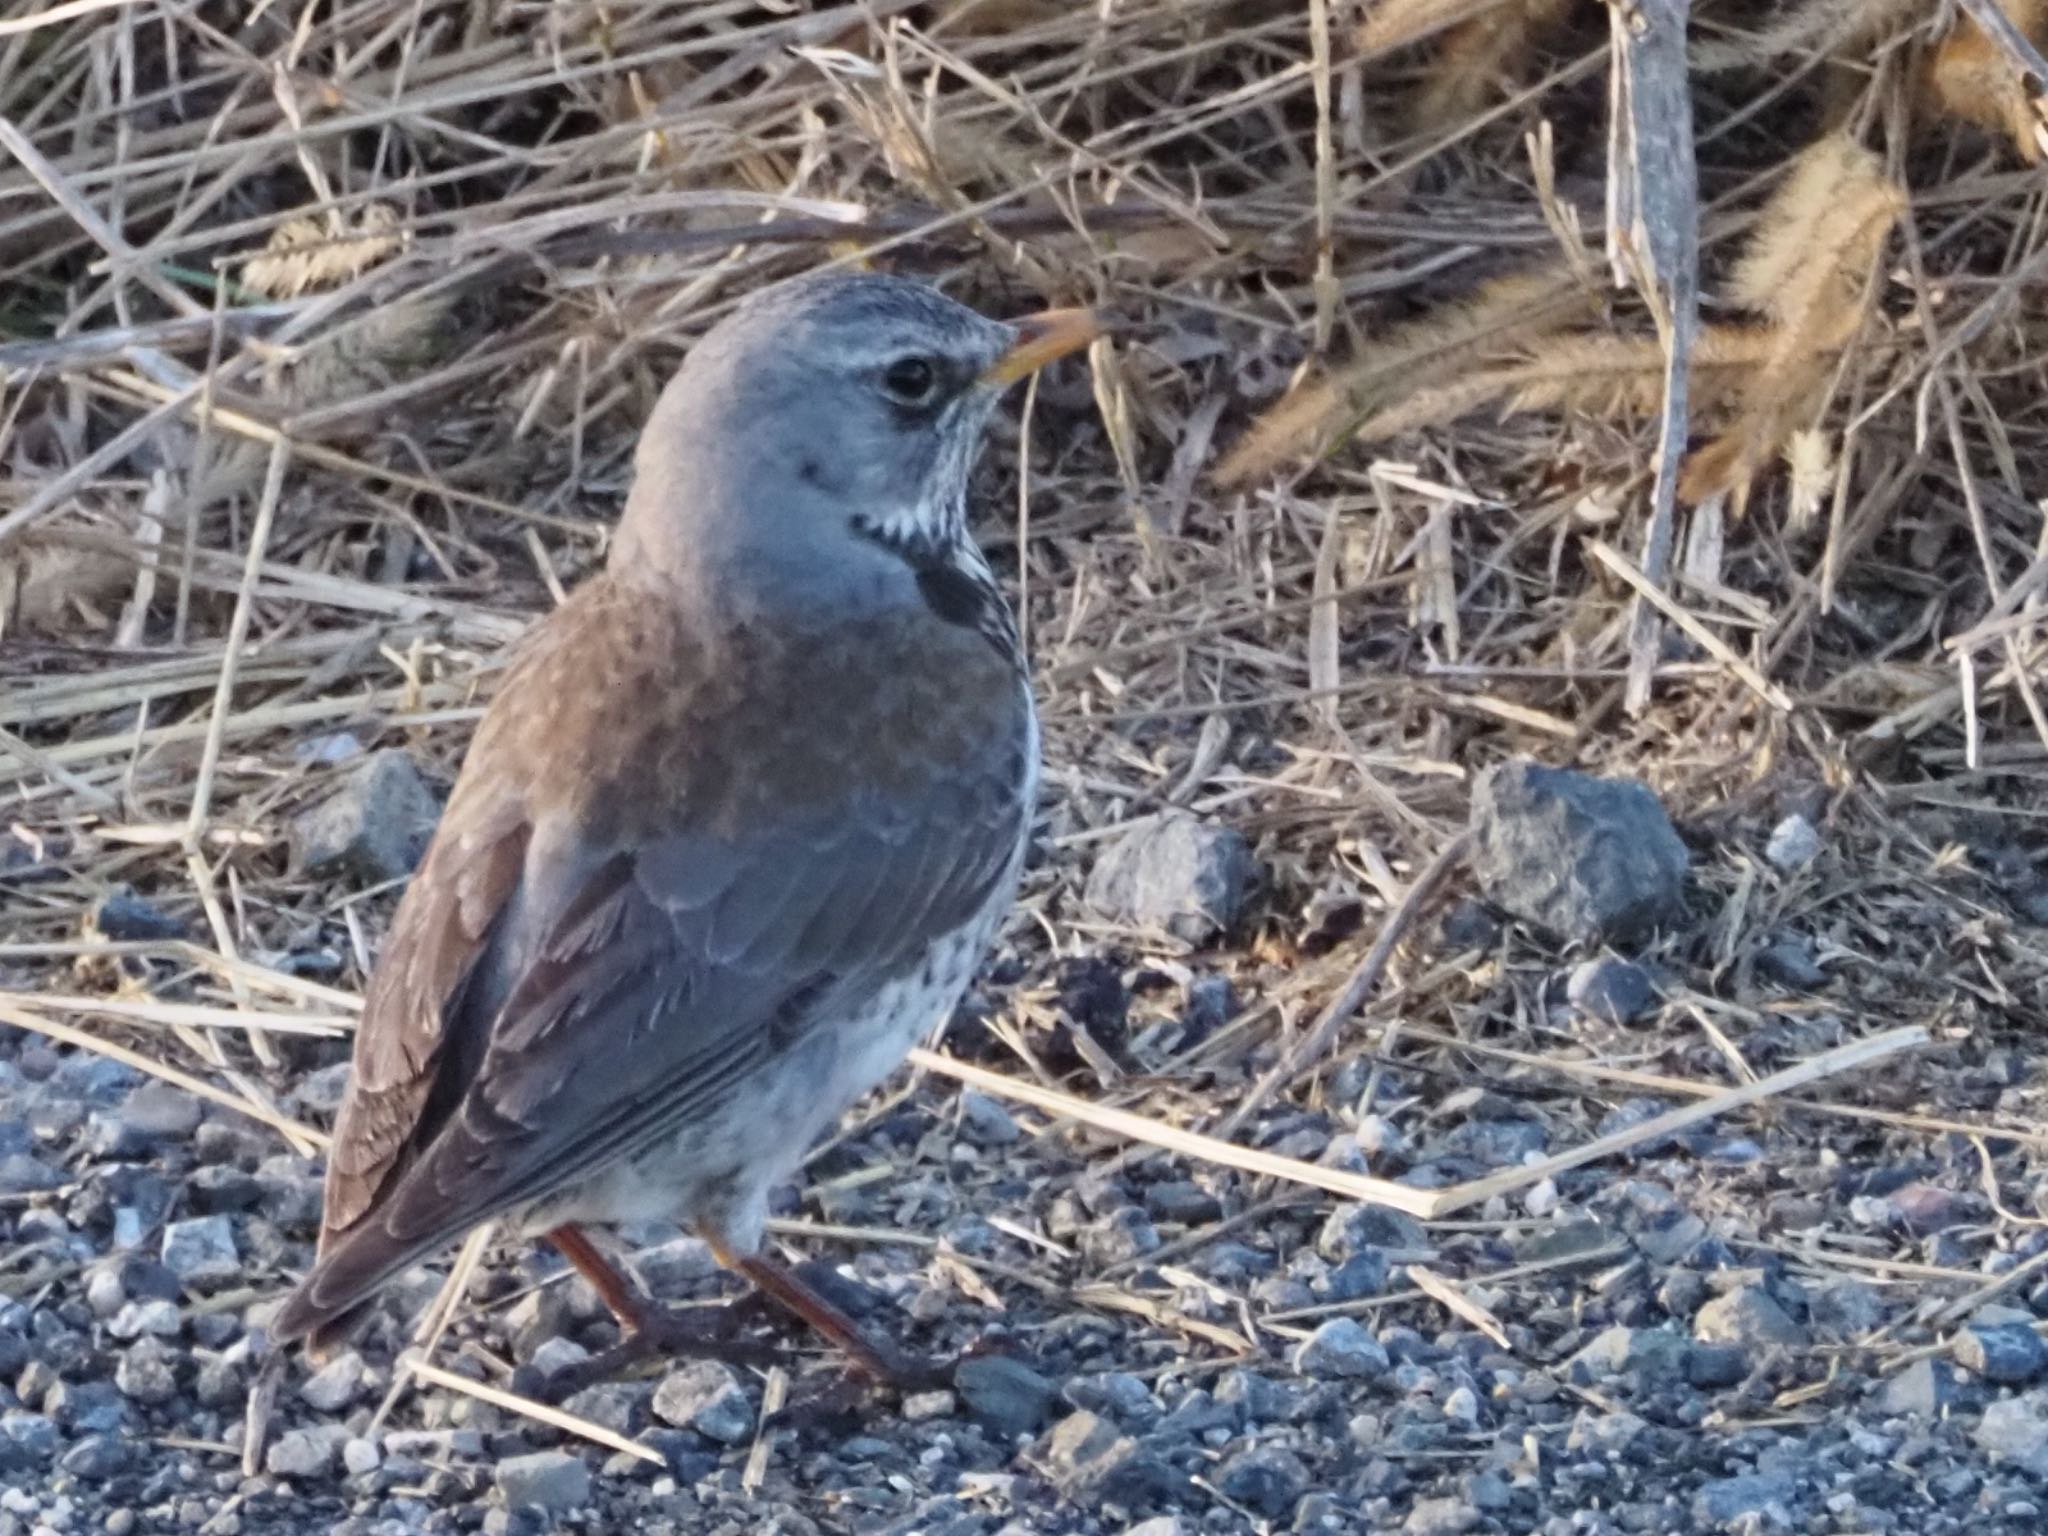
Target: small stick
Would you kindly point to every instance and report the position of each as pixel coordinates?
(543, 1413)
(1313, 1045)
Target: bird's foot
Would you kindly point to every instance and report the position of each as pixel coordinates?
(660, 1333)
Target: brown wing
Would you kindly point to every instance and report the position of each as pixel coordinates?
(654, 939)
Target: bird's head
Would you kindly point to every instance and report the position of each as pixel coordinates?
(825, 414)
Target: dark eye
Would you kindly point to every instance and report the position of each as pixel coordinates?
(911, 379)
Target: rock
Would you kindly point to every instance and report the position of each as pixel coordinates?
(920, 1407)
(1124, 1234)
(1441, 1517)
(2010, 1355)
(335, 1385)
(1654, 1353)
(1710, 1366)
(1750, 1317)
(123, 917)
(359, 1456)
(2014, 1430)
(1265, 1479)
(201, 1251)
(1794, 844)
(1584, 858)
(26, 1439)
(373, 828)
(95, 1458)
(1341, 1348)
(1005, 1396)
(705, 1395)
(1469, 925)
(1462, 1406)
(1089, 1462)
(144, 1373)
(1182, 1201)
(1728, 1499)
(303, 1452)
(160, 1319)
(1925, 1389)
(1164, 1525)
(986, 1121)
(1789, 962)
(161, 1112)
(1612, 991)
(1177, 873)
(550, 1480)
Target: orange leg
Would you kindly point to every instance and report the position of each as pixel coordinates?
(881, 1360)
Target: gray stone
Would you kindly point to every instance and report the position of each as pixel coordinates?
(1728, 1499)
(1612, 991)
(2014, 1430)
(30, 1437)
(1162, 1525)
(1004, 1395)
(1794, 843)
(201, 1251)
(335, 1385)
(95, 1458)
(359, 1456)
(986, 1121)
(1790, 962)
(1748, 1316)
(1584, 858)
(144, 1373)
(161, 1111)
(160, 1319)
(1710, 1366)
(1124, 1234)
(706, 1396)
(550, 1480)
(1265, 1479)
(2010, 1355)
(1441, 1517)
(1655, 1353)
(374, 827)
(1177, 873)
(123, 917)
(304, 1452)
(1341, 1348)
(1088, 1461)
(1925, 1389)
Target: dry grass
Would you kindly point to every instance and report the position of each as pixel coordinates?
(1355, 503)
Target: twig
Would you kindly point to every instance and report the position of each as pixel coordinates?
(539, 1412)
(1313, 1044)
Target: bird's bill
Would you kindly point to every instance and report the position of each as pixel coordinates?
(1040, 339)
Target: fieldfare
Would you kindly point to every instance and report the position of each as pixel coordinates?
(732, 837)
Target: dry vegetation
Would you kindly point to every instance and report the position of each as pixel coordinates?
(326, 330)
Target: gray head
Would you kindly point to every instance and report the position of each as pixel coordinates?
(823, 432)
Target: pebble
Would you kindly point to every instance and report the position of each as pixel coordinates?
(161, 1111)
(1609, 990)
(201, 1251)
(921, 1406)
(2015, 1430)
(374, 827)
(1007, 1396)
(1587, 859)
(705, 1395)
(1175, 873)
(335, 1385)
(303, 1452)
(1726, 1500)
(359, 1456)
(1748, 1316)
(551, 1480)
(1267, 1479)
(1708, 1366)
(1124, 1234)
(1088, 1461)
(986, 1120)
(1925, 1389)
(2009, 1355)
(145, 1373)
(1341, 1348)
(1441, 1517)
(159, 1319)
(1793, 844)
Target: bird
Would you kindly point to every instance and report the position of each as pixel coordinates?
(733, 835)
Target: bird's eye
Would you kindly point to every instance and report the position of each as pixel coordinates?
(911, 379)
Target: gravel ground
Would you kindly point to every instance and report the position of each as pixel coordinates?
(1158, 1346)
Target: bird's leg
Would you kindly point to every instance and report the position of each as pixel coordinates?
(649, 1329)
(879, 1359)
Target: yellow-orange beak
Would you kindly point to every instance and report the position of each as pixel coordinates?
(1040, 339)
